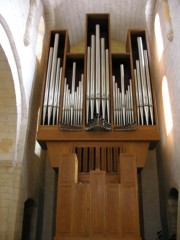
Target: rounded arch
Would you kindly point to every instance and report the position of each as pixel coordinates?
(172, 212)
(8, 110)
(28, 217)
(12, 59)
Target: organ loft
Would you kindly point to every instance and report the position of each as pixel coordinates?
(98, 121)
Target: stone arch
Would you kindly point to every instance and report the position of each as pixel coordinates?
(172, 212)
(8, 110)
(12, 59)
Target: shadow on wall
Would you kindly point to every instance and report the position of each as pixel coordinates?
(29, 209)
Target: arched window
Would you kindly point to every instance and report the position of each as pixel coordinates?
(158, 35)
(39, 44)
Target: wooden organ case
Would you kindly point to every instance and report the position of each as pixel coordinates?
(98, 121)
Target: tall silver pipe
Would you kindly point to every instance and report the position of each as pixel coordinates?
(92, 86)
(68, 107)
(64, 102)
(143, 79)
(97, 69)
(73, 91)
(88, 83)
(52, 81)
(47, 83)
(114, 99)
(131, 101)
(107, 85)
(120, 111)
(137, 96)
(123, 92)
(140, 92)
(149, 86)
(127, 106)
(58, 97)
(81, 96)
(54, 105)
(75, 107)
(103, 80)
(117, 96)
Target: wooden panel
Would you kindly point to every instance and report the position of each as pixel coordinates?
(68, 168)
(65, 207)
(114, 211)
(81, 206)
(142, 133)
(140, 150)
(130, 211)
(128, 168)
(98, 202)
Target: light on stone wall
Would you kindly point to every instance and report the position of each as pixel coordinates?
(158, 35)
(167, 106)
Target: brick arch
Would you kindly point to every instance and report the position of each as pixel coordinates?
(18, 114)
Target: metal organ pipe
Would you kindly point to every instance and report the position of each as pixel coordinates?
(55, 97)
(148, 85)
(52, 86)
(52, 81)
(92, 76)
(97, 79)
(48, 75)
(143, 86)
(97, 69)
(140, 92)
(88, 82)
(58, 96)
(143, 79)
(73, 100)
(103, 79)
(122, 101)
(107, 86)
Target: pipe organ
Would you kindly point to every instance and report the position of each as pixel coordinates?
(98, 120)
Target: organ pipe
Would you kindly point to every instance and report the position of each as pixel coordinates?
(97, 88)
(88, 82)
(143, 79)
(143, 86)
(148, 85)
(97, 69)
(122, 101)
(73, 100)
(97, 79)
(92, 76)
(47, 84)
(52, 81)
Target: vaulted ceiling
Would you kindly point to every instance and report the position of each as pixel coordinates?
(124, 14)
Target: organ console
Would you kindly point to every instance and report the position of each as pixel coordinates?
(98, 120)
